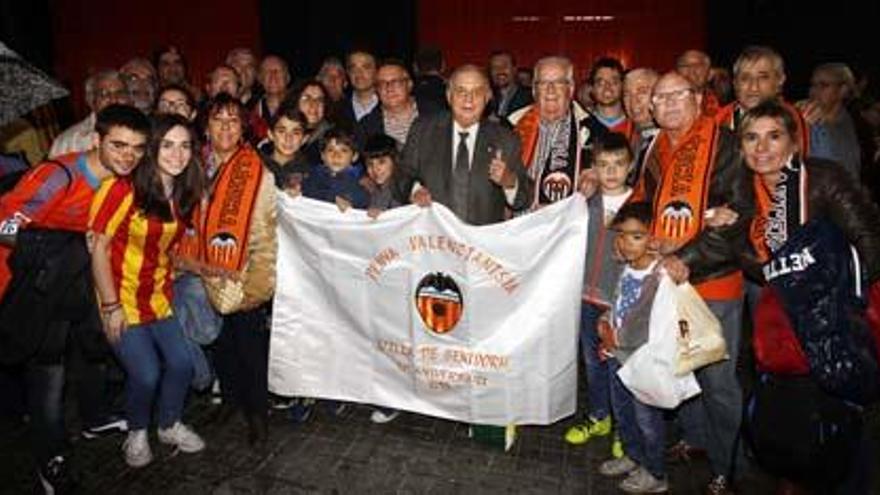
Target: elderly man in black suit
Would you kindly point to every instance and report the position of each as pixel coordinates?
(469, 164)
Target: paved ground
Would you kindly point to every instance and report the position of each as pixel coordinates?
(347, 454)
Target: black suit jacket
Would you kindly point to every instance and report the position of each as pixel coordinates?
(428, 159)
(522, 97)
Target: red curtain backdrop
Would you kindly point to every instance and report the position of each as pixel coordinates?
(96, 34)
(639, 32)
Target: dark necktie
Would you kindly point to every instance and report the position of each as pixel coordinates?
(461, 178)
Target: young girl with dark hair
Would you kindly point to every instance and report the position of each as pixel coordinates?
(136, 223)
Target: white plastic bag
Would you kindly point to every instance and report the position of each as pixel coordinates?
(650, 372)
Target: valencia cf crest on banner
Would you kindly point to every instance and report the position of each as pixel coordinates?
(439, 302)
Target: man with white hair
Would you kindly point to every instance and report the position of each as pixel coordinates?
(102, 90)
(274, 76)
(637, 86)
(463, 161)
(140, 78)
(556, 134)
(832, 131)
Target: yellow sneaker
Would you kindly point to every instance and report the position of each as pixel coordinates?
(581, 434)
(616, 447)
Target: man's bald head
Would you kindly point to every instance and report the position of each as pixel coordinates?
(675, 102)
(468, 93)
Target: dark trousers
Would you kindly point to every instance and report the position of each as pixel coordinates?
(45, 377)
(242, 361)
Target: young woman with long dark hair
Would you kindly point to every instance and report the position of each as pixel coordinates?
(136, 223)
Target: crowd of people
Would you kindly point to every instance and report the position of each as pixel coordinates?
(146, 239)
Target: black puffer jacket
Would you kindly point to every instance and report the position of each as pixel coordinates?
(834, 196)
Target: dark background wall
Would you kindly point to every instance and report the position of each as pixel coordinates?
(305, 32)
(806, 33)
(639, 32)
(71, 38)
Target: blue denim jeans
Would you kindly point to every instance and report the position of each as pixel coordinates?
(200, 324)
(712, 419)
(652, 427)
(624, 414)
(597, 371)
(641, 428)
(155, 359)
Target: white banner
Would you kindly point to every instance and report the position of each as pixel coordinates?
(421, 312)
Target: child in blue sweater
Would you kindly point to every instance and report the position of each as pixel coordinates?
(336, 180)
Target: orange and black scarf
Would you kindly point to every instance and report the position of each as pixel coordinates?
(685, 171)
(780, 211)
(556, 180)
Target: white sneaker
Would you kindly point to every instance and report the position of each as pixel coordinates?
(642, 481)
(137, 449)
(382, 416)
(617, 467)
(182, 437)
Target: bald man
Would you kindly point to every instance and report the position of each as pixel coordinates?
(467, 163)
(692, 167)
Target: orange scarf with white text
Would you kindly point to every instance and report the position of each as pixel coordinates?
(685, 170)
(228, 217)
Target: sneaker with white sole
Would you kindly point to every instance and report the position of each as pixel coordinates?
(382, 416)
(108, 425)
(182, 437)
(617, 467)
(642, 481)
(137, 449)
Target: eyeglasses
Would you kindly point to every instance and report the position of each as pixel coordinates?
(545, 84)
(123, 147)
(392, 83)
(460, 93)
(671, 96)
